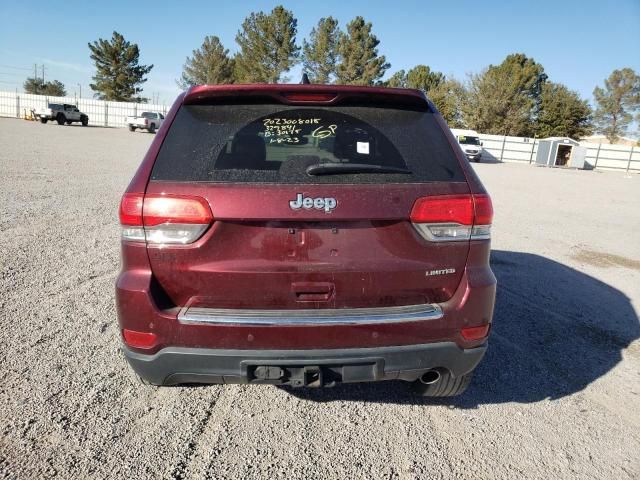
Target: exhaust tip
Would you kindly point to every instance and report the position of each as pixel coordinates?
(430, 377)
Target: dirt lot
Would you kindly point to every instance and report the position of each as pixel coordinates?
(557, 396)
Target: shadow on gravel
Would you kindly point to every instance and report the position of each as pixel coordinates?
(555, 330)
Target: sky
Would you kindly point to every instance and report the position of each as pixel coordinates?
(579, 43)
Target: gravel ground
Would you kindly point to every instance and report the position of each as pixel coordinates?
(557, 395)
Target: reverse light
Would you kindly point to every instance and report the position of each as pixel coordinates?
(453, 217)
(143, 340)
(164, 219)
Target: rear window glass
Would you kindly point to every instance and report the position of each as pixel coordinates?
(277, 143)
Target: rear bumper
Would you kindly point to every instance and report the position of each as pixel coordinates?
(175, 365)
(142, 308)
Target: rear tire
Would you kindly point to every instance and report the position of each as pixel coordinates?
(132, 128)
(61, 119)
(84, 120)
(43, 120)
(152, 128)
(447, 386)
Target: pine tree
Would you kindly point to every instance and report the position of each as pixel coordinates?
(502, 100)
(419, 77)
(320, 54)
(422, 78)
(360, 63)
(448, 96)
(210, 64)
(617, 101)
(37, 86)
(118, 74)
(267, 46)
(562, 113)
(397, 80)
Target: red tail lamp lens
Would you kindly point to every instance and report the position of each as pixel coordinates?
(131, 209)
(142, 340)
(443, 209)
(160, 209)
(484, 209)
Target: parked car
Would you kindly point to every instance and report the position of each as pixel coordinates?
(149, 121)
(62, 113)
(305, 235)
(470, 143)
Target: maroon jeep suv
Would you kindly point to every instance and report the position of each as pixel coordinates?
(305, 235)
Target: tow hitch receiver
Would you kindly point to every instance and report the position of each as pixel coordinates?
(307, 376)
(311, 377)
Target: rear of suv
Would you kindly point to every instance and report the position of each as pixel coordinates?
(305, 235)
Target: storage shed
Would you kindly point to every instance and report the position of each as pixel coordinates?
(560, 152)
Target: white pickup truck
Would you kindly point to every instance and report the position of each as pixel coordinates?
(62, 113)
(149, 121)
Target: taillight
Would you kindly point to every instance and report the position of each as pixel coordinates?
(453, 217)
(164, 219)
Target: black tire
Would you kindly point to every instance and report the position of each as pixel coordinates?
(43, 120)
(84, 120)
(447, 386)
(152, 128)
(60, 118)
(132, 128)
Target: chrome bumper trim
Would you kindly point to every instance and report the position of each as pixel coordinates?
(324, 316)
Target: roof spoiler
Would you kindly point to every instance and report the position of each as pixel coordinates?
(305, 94)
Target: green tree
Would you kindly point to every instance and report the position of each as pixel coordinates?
(118, 74)
(503, 98)
(616, 103)
(397, 80)
(267, 46)
(422, 78)
(562, 113)
(209, 65)
(38, 86)
(360, 63)
(448, 96)
(320, 54)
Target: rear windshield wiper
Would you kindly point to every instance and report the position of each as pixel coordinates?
(345, 168)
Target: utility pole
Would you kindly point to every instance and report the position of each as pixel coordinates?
(43, 73)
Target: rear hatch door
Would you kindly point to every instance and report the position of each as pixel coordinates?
(311, 206)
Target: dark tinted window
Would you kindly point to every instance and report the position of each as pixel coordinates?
(148, 115)
(276, 144)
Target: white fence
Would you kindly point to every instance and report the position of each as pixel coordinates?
(100, 113)
(499, 148)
